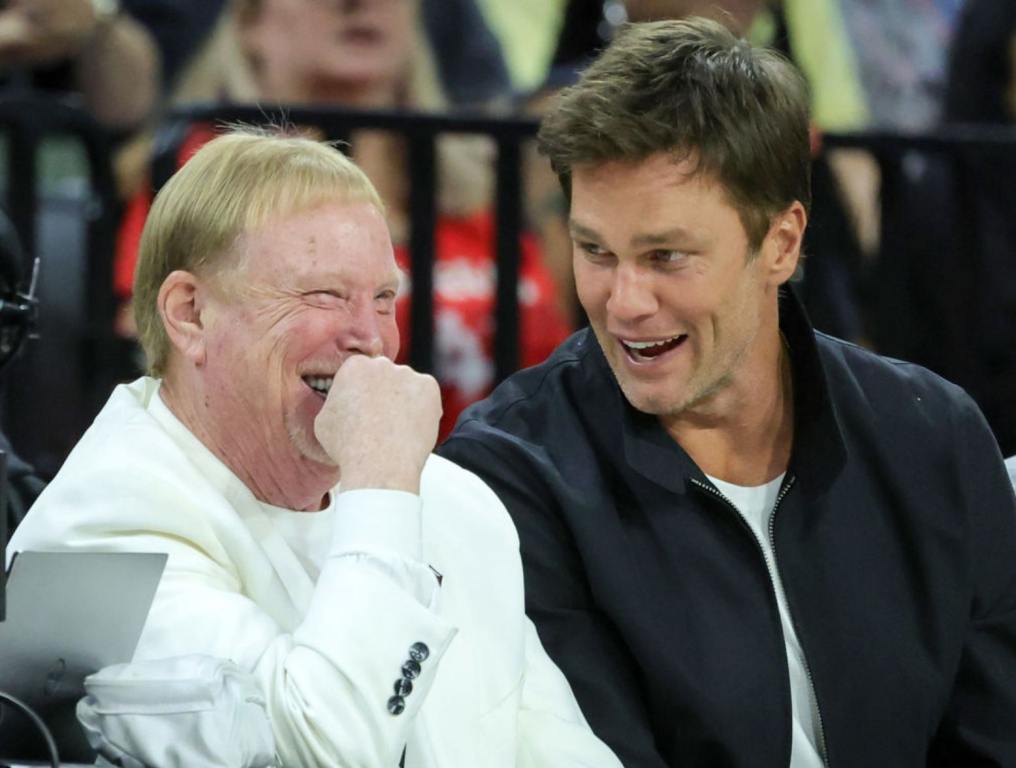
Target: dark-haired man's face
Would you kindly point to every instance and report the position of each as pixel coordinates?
(663, 271)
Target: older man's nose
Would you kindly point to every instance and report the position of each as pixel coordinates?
(363, 333)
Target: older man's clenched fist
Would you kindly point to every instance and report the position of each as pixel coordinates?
(379, 423)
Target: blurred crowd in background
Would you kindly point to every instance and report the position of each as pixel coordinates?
(895, 67)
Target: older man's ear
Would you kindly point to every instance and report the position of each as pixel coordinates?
(181, 301)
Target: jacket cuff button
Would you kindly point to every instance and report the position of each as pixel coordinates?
(419, 651)
(411, 670)
(396, 705)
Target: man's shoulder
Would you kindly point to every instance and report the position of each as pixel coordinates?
(902, 415)
(462, 505)
(544, 427)
(856, 375)
(532, 403)
(441, 475)
(125, 474)
(124, 438)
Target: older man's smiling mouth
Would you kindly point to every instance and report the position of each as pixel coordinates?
(320, 384)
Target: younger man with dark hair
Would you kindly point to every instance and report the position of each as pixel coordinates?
(745, 543)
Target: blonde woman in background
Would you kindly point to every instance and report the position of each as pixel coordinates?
(372, 54)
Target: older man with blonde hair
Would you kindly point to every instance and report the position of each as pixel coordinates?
(283, 462)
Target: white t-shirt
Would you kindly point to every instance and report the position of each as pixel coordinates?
(756, 504)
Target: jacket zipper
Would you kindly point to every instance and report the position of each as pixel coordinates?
(770, 568)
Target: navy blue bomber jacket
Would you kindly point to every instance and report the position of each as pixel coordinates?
(895, 538)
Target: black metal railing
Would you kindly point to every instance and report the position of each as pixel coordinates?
(48, 402)
(941, 291)
(26, 122)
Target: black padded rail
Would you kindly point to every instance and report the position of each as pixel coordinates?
(47, 402)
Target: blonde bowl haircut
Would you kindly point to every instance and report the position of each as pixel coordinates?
(234, 185)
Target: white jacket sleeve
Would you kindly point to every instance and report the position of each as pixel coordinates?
(327, 681)
(330, 687)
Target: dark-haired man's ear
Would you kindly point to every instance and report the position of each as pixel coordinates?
(785, 238)
(180, 304)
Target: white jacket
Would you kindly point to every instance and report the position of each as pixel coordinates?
(327, 655)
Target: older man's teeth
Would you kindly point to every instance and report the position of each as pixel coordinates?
(319, 384)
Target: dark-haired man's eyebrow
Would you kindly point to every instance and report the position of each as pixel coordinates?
(581, 232)
(668, 237)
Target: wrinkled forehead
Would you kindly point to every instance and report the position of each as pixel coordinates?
(334, 241)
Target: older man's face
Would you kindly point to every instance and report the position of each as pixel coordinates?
(312, 289)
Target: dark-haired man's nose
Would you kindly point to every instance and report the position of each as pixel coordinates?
(631, 294)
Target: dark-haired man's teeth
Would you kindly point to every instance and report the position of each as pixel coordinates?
(648, 344)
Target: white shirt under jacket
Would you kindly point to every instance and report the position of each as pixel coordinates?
(327, 655)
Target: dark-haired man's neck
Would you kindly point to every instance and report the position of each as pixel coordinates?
(743, 432)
